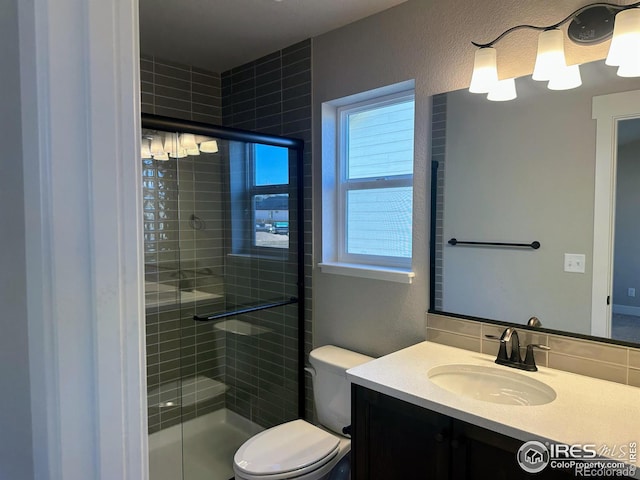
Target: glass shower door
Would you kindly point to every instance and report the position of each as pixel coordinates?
(221, 242)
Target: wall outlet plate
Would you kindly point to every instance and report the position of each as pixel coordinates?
(574, 262)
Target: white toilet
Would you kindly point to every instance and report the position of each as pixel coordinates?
(299, 450)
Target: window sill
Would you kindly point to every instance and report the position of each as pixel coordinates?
(390, 274)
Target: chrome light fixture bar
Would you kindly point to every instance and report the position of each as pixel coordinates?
(591, 24)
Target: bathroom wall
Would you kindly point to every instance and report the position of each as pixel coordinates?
(430, 42)
(182, 251)
(16, 445)
(272, 95)
(179, 91)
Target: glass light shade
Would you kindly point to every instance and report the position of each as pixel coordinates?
(629, 69)
(179, 153)
(193, 151)
(503, 90)
(161, 156)
(171, 143)
(566, 79)
(485, 71)
(157, 147)
(145, 148)
(188, 141)
(625, 44)
(210, 146)
(550, 59)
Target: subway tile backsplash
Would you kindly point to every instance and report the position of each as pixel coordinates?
(602, 360)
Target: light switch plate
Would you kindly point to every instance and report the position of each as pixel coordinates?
(574, 262)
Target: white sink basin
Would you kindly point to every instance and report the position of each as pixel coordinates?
(491, 384)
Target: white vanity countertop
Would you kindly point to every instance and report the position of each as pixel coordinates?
(585, 411)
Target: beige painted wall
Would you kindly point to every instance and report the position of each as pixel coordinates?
(429, 41)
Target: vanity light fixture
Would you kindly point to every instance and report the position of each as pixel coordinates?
(591, 24)
(162, 146)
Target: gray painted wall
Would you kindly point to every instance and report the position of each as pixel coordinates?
(16, 450)
(430, 42)
(626, 266)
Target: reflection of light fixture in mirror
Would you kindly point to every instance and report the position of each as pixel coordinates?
(193, 151)
(145, 148)
(503, 90)
(565, 79)
(624, 51)
(485, 72)
(188, 141)
(589, 25)
(157, 148)
(550, 59)
(210, 146)
(162, 156)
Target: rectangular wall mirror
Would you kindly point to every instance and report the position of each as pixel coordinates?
(524, 171)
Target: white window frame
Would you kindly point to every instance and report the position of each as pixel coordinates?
(334, 191)
(345, 184)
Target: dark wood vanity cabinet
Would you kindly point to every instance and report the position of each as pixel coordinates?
(392, 439)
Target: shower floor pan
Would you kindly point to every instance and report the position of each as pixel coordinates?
(199, 449)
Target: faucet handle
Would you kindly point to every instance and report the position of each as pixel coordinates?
(529, 359)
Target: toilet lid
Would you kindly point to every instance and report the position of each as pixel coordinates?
(285, 448)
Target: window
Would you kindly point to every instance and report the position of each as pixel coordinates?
(375, 181)
(259, 189)
(269, 200)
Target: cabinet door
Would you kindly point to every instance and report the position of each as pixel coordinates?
(393, 439)
(478, 453)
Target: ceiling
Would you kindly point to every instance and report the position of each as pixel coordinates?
(218, 35)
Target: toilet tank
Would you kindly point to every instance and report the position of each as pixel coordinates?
(331, 389)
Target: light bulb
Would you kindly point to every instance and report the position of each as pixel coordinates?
(550, 59)
(157, 148)
(210, 146)
(626, 38)
(145, 148)
(503, 91)
(188, 141)
(566, 79)
(485, 71)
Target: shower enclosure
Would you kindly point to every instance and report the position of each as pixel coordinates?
(223, 239)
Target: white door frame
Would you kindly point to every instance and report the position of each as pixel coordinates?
(79, 80)
(607, 110)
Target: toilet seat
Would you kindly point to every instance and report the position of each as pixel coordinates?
(286, 451)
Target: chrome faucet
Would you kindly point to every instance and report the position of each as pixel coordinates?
(509, 338)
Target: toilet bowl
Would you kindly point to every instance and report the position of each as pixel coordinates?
(298, 449)
(294, 450)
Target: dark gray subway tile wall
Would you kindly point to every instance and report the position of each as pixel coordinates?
(271, 95)
(177, 348)
(180, 91)
(438, 154)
